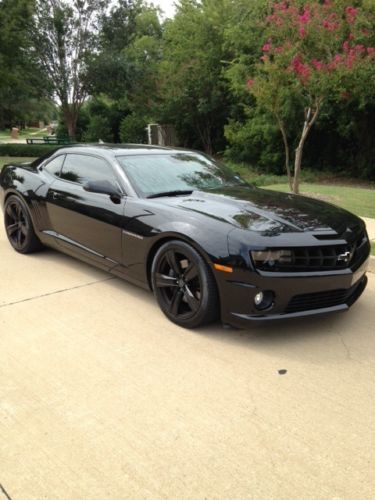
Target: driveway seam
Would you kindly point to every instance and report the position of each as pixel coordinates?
(56, 292)
(2, 490)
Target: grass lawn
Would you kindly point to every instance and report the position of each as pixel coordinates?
(27, 133)
(360, 201)
(13, 159)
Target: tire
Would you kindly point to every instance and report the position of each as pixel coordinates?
(184, 285)
(19, 227)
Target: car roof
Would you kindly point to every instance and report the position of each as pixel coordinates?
(120, 149)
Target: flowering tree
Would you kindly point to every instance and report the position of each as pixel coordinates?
(312, 52)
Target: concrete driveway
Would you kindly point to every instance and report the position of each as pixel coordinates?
(102, 398)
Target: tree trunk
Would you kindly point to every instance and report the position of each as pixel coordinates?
(71, 125)
(70, 120)
(310, 117)
(286, 150)
(297, 166)
(205, 136)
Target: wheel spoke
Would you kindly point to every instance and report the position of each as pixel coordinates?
(24, 229)
(12, 229)
(175, 301)
(191, 300)
(172, 262)
(19, 237)
(162, 280)
(10, 211)
(191, 272)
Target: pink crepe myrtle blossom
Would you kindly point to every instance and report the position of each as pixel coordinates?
(359, 49)
(266, 47)
(302, 32)
(350, 58)
(318, 65)
(305, 18)
(275, 19)
(330, 25)
(351, 14)
(337, 59)
(250, 82)
(302, 70)
(335, 62)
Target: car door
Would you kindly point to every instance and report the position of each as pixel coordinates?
(89, 224)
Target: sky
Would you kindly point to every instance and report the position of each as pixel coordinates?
(166, 5)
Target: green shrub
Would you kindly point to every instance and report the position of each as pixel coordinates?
(257, 141)
(26, 150)
(99, 128)
(133, 129)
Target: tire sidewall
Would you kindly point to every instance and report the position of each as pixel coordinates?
(27, 247)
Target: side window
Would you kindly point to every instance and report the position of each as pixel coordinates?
(54, 166)
(83, 168)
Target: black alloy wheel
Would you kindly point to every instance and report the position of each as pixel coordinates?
(18, 226)
(184, 285)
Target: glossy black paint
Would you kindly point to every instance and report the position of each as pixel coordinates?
(121, 233)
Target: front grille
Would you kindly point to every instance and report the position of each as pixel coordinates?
(319, 258)
(320, 300)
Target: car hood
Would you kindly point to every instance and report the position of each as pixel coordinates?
(264, 211)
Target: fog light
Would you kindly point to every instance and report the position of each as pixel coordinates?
(264, 300)
(258, 299)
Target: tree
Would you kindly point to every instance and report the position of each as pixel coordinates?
(65, 35)
(193, 90)
(123, 72)
(20, 89)
(312, 53)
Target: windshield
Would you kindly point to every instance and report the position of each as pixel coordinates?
(162, 173)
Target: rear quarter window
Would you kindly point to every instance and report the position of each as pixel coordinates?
(54, 166)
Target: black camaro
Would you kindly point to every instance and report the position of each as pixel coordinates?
(208, 244)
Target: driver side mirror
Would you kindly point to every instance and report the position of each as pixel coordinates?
(104, 187)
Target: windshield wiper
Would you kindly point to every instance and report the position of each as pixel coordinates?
(171, 193)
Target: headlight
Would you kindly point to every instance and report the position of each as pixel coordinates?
(271, 257)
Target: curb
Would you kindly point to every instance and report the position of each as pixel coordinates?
(371, 265)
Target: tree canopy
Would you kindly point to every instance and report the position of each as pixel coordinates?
(260, 82)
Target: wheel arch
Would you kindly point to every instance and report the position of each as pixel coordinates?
(19, 195)
(14, 193)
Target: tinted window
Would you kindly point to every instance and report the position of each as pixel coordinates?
(151, 174)
(43, 158)
(54, 166)
(82, 168)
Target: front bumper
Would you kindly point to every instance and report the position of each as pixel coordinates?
(296, 295)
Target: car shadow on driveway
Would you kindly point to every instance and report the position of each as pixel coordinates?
(333, 338)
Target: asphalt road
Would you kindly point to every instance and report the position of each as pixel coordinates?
(102, 398)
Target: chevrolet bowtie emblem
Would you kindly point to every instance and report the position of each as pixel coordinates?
(344, 257)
